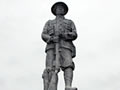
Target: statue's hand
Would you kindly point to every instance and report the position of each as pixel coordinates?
(63, 35)
(48, 69)
(55, 39)
(57, 70)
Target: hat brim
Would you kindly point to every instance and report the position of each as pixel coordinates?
(53, 9)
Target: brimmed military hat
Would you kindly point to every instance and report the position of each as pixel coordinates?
(53, 9)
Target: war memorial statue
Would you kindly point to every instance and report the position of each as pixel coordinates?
(59, 34)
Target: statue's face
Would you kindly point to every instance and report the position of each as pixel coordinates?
(59, 10)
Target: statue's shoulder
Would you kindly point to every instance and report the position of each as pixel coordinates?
(68, 21)
(51, 21)
(48, 21)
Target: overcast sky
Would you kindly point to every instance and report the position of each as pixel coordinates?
(22, 56)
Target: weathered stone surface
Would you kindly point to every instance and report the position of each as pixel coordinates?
(59, 35)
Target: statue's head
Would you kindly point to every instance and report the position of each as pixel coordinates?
(59, 8)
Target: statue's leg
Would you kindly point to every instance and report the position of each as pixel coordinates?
(48, 71)
(50, 58)
(45, 77)
(68, 77)
(53, 82)
(67, 66)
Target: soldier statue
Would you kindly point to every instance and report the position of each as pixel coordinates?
(59, 34)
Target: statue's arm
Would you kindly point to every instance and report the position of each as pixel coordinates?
(73, 34)
(45, 36)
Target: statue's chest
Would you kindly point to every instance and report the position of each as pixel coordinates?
(60, 25)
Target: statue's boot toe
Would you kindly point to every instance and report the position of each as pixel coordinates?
(70, 88)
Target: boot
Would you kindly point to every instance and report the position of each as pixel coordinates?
(70, 88)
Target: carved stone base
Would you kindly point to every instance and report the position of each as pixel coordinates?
(71, 88)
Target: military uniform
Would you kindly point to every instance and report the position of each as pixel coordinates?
(66, 46)
(60, 53)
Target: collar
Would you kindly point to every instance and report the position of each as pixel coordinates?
(60, 17)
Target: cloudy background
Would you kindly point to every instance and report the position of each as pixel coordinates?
(22, 56)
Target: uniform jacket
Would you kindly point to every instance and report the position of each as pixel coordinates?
(65, 26)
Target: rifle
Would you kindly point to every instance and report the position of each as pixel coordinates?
(54, 78)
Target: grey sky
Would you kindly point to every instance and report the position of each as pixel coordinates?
(22, 56)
